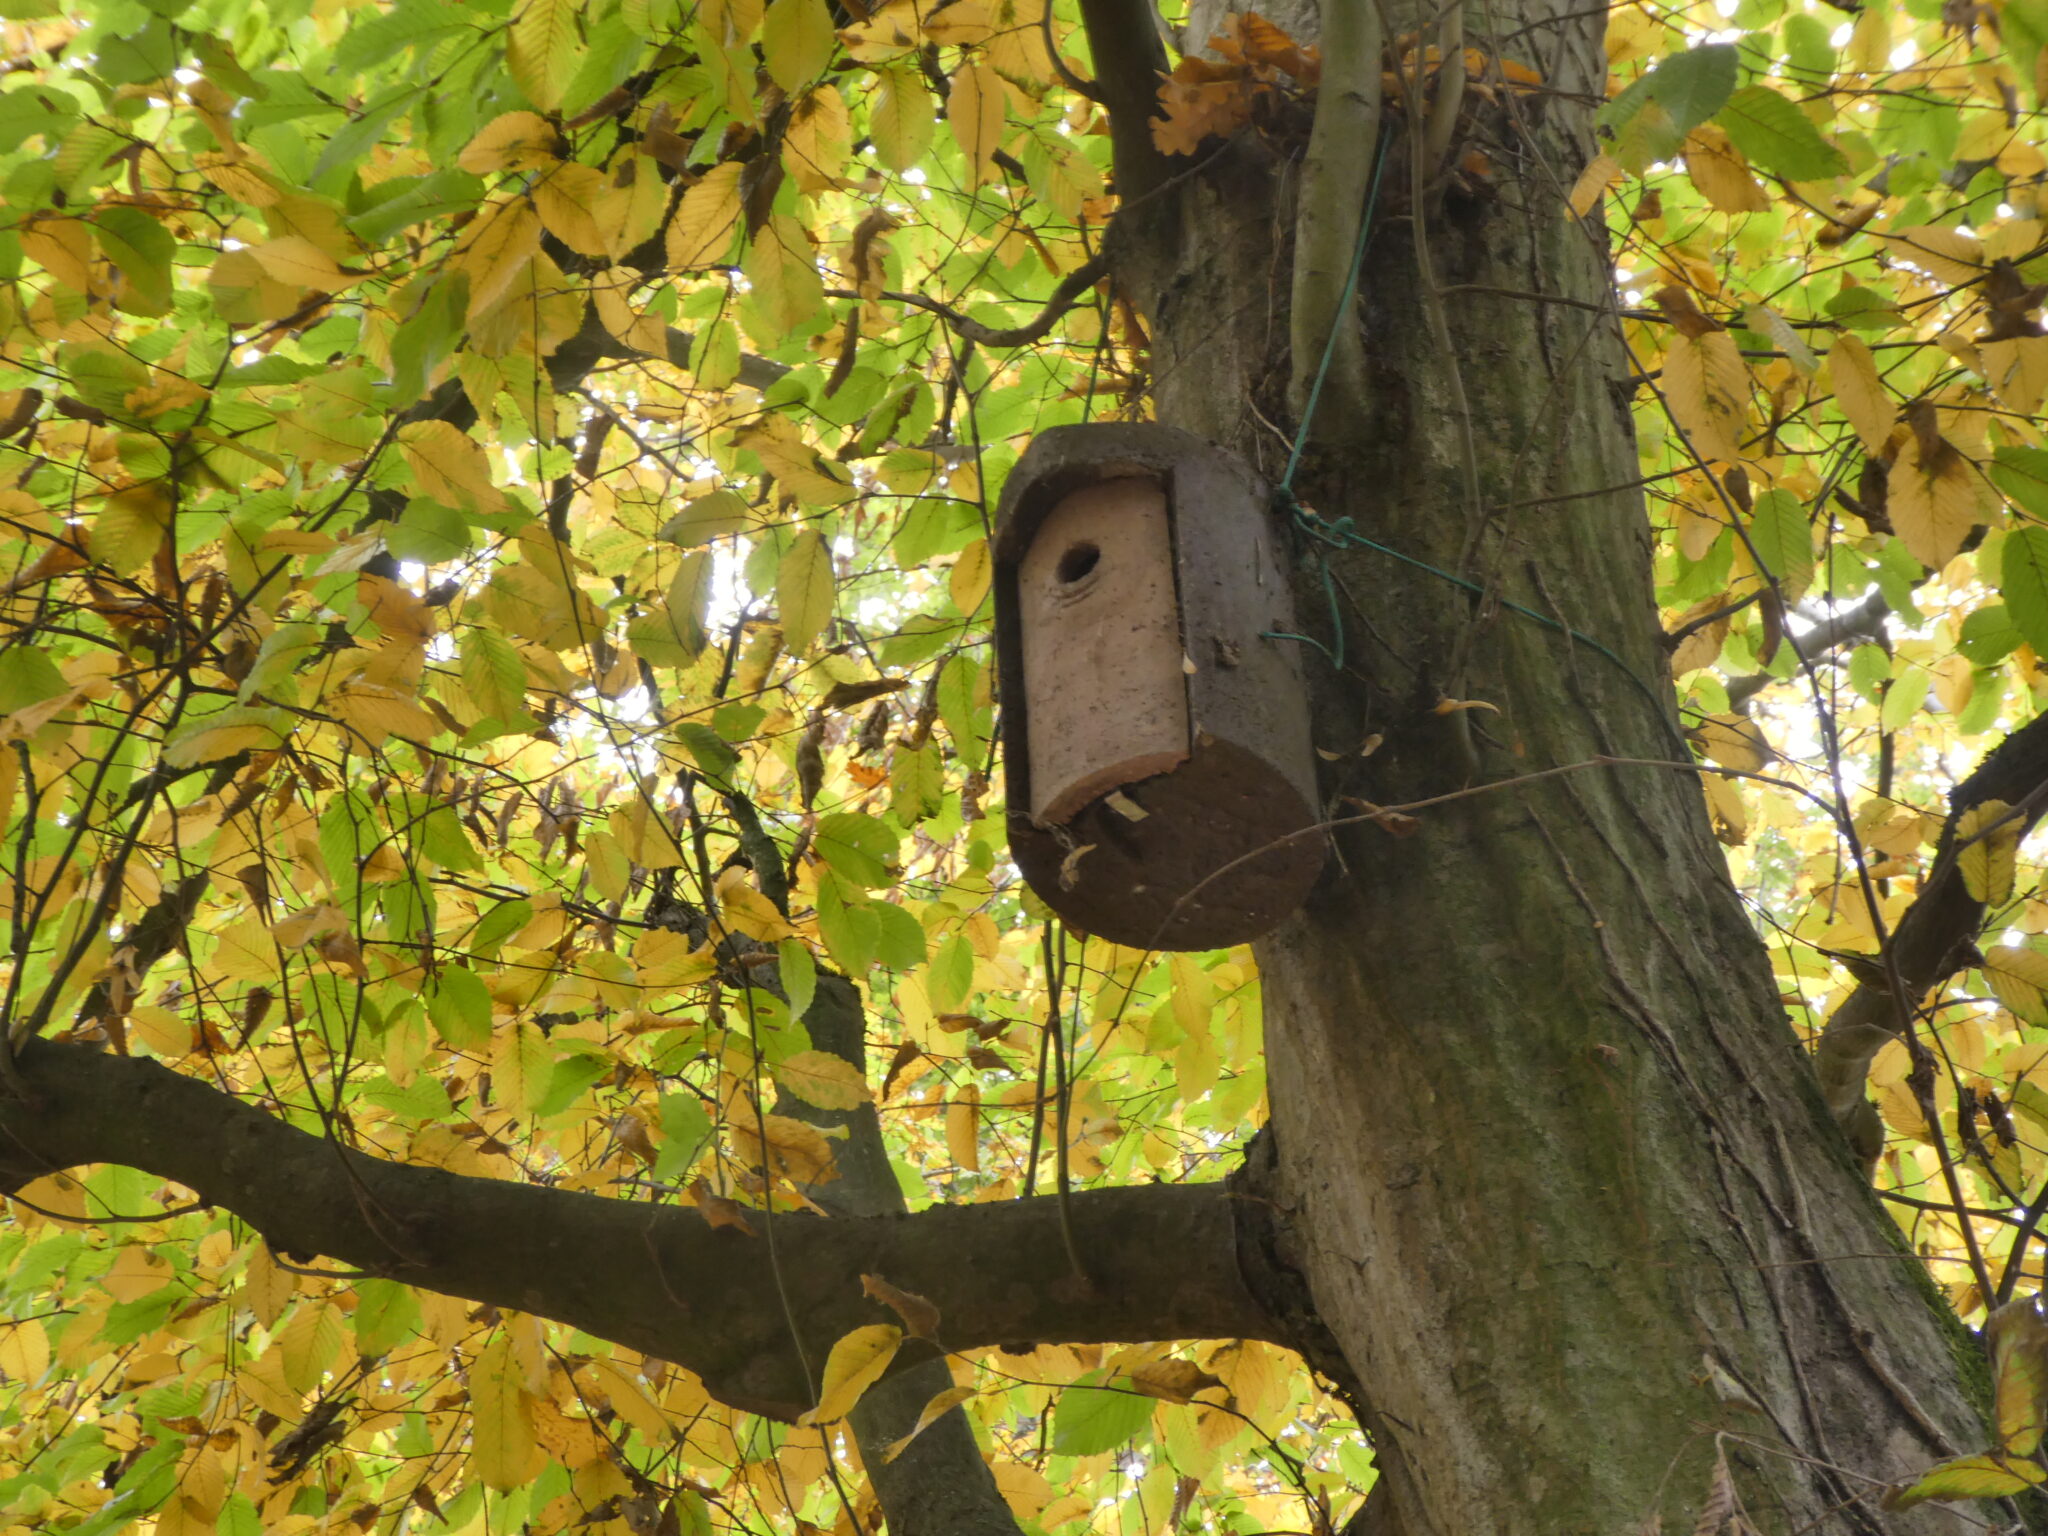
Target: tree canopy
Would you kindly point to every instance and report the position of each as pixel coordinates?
(495, 591)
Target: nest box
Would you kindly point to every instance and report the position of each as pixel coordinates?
(1156, 747)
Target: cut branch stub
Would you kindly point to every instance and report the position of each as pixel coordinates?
(1161, 779)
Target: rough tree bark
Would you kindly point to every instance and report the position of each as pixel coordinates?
(1561, 1182)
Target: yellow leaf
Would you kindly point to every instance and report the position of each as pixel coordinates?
(1725, 805)
(2019, 979)
(900, 117)
(543, 51)
(959, 25)
(700, 234)
(24, 1352)
(62, 248)
(745, 910)
(131, 526)
(245, 951)
(963, 1129)
(1601, 173)
(375, 713)
(794, 1151)
(1860, 393)
(495, 249)
(1947, 254)
(819, 139)
(522, 1066)
(502, 1443)
(796, 42)
(1987, 850)
(2017, 370)
(1721, 173)
(1734, 741)
(664, 961)
(855, 1364)
(568, 198)
(969, 580)
(782, 270)
(803, 590)
(629, 1399)
(941, 1405)
(299, 263)
(1935, 506)
(974, 111)
(2019, 1364)
(161, 1030)
(823, 1080)
(1707, 387)
(266, 1286)
(449, 466)
(512, 141)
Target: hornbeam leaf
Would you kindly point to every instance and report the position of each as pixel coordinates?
(502, 1445)
(543, 50)
(855, 1364)
(803, 590)
(1774, 134)
(1989, 1476)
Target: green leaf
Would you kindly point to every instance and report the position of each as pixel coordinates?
(796, 42)
(430, 534)
(493, 674)
(859, 847)
(1777, 137)
(386, 1315)
(460, 1006)
(142, 249)
(1783, 540)
(799, 975)
(2025, 584)
(2022, 475)
(803, 590)
(1091, 1419)
(543, 51)
(1652, 117)
(685, 1132)
(1989, 1476)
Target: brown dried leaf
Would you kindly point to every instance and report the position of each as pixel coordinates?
(920, 1317)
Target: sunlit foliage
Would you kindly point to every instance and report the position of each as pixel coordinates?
(494, 514)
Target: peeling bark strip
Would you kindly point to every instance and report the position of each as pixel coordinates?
(656, 1278)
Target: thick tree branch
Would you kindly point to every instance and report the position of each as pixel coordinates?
(1129, 59)
(657, 1278)
(1931, 942)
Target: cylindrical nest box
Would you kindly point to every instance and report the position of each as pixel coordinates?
(1161, 781)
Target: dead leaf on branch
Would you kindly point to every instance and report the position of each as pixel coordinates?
(920, 1317)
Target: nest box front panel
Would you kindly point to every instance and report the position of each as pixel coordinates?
(1102, 651)
(1161, 782)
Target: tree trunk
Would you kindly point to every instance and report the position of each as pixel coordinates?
(1563, 1187)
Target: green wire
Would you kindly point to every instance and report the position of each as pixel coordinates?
(1342, 532)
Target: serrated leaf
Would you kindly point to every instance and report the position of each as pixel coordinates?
(796, 42)
(701, 233)
(1707, 386)
(2018, 978)
(543, 51)
(823, 1080)
(1989, 1476)
(512, 141)
(940, 1405)
(1782, 539)
(1860, 394)
(2023, 583)
(855, 1364)
(1090, 1420)
(974, 111)
(1774, 134)
(1987, 850)
(803, 590)
(502, 1446)
(900, 117)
